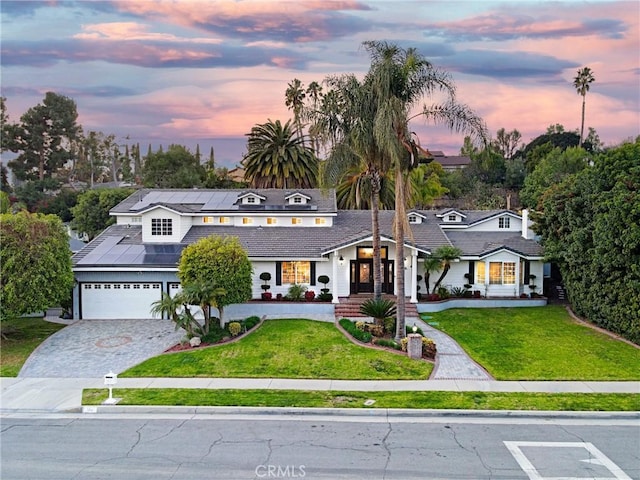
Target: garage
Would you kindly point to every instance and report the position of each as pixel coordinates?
(118, 300)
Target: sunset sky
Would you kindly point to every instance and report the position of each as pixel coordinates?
(204, 72)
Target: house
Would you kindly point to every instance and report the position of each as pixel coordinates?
(296, 236)
(449, 163)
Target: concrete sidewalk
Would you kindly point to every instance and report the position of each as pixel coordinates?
(65, 394)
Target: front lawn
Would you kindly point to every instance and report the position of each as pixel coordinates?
(538, 343)
(287, 349)
(335, 399)
(20, 337)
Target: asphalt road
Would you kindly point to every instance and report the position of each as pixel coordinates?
(123, 447)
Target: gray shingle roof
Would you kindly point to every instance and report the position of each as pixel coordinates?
(482, 243)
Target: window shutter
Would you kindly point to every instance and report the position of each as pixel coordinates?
(312, 272)
(278, 273)
(527, 270)
(472, 272)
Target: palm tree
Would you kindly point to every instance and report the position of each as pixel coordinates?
(314, 92)
(581, 82)
(294, 99)
(431, 265)
(446, 255)
(400, 78)
(205, 294)
(170, 307)
(277, 158)
(346, 119)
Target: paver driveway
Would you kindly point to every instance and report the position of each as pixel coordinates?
(92, 348)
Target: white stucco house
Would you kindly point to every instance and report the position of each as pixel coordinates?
(296, 236)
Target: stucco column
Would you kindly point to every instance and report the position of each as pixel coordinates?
(334, 273)
(518, 285)
(414, 276)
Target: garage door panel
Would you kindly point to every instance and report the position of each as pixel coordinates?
(119, 300)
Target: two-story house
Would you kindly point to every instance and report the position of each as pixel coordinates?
(296, 236)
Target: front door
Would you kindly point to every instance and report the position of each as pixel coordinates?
(361, 271)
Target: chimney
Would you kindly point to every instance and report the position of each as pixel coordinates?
(525, 223)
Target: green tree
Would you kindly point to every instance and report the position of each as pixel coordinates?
(581, 82)
(432, 264)
(552, 169)
(91, 213)
(294, 100)
(426, 185)
(277, 158)
(205, 294)
(218, 261)
(590, 227)
(400, 79)
(176, 308)
(43, 138)
(35, 263)
(507, 143)
(445, 254)
(175, 168)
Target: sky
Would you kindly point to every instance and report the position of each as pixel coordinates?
(205, 72)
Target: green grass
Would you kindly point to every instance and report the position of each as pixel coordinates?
(287, 349)
(23, 335)
(333, 399)
(538, 343)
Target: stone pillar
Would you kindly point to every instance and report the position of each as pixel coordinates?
(414, 346)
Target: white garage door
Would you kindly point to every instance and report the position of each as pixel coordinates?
(119, 300)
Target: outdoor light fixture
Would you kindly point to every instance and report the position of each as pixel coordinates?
(341, 260)
(415, 328)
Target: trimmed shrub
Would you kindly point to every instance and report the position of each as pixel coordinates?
(250, 322)
(296, 292)
(235, 328)
(385, 342)
(350, 327)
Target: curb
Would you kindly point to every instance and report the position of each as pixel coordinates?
(358, 412)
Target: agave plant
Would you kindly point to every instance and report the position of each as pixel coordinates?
(379, 309)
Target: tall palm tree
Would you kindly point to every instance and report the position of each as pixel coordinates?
(314, 93)
(294, 99)
(346, 119)
(581, 82)
(446, 255)
(400, 78)
(278, 158)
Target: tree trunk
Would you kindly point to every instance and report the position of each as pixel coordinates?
(582, 124)
(399, 234)
(375, 228)
(445, 269)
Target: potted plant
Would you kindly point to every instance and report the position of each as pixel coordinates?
(265, 277)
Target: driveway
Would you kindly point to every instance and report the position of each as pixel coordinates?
(92, 348)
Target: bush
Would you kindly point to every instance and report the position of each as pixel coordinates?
(325, 297)
(296, 292)
(350, 327)
(428, 348)
(385, 342)
(360, 325)
(215, 334)
(443, 293)
(235, 328)
(375, 330)
(390, 325)
(458, 292)
(250, 322)
(309, 295)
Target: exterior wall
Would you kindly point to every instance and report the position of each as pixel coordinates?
(180, 226)
(515, 225)
(277, 309)
(480, 303)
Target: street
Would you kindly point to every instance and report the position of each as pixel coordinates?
(151, 446)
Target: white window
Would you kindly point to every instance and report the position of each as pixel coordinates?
(296, 221)
(321, 221)
(161, 226)
(247, 220)
(503, 222)
(297, 199)
(251, 199)
(207, 219)
(413, 219)
(136, 219)
(272, 221)
(480, 272)
(452, 217)
(224, 220)
(502, 273)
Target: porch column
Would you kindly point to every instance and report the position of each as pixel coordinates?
(414, 276)
(334, 272)
(518, 285)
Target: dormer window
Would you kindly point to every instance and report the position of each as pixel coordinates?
(162, 226)
(452, 218)
(251, 199)
(297, 199)
(413, 219)
(504, 222)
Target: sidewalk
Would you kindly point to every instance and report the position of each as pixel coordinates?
(65, 394)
